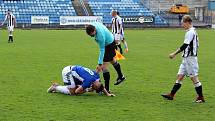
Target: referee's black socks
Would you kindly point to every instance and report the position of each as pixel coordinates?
(106, 76)
(118, 69)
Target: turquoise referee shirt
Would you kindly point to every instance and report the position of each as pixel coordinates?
(103, 37)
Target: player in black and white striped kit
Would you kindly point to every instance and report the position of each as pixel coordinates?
(189, 66)
(11, 22)
(118, 30)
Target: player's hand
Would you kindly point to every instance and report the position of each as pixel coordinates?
(172, 55)
(126, 50)
(111, 95)
(99, 68)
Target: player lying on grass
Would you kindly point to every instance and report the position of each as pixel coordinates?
(76, 80)
(189, 65)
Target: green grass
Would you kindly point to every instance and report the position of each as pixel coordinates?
(38, 56)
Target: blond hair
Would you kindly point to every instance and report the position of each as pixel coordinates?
(187, 18)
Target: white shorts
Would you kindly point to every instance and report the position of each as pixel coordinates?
(189, 67)
(118, 37)
(67, 77)
(10, 28)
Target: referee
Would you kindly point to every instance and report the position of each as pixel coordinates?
(11, 22)
(107, 46)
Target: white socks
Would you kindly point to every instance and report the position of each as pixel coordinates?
(198, 84)
(63, 89)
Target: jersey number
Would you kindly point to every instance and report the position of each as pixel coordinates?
(89, 71)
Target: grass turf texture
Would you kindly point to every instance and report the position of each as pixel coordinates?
(38, 56)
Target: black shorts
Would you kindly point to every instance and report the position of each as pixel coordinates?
(110, 52)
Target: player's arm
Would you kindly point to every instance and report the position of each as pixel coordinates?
(80, 90)
(14, 21)
(188, 38)
(107, 93)
(101, 54)
(120, 25)
(179, 50)
(98, 86)
(4, 20)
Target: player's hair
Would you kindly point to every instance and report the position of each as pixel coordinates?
(90, 29)
(117, 13)
(100, 89)
(114, 11)
(187, 18)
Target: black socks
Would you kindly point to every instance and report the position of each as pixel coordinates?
(175, 88)
(118, 69)
(106, 76)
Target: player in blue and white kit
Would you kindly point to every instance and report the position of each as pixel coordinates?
(76, 80)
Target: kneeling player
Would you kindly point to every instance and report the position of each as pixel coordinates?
(76, 80)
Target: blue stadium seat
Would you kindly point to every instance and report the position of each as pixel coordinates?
(125, 7)
(23, 10)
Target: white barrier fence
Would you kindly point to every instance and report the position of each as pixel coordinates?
(39, 19)
(79, 20)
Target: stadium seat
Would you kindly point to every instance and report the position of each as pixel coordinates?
(125, 7)
(23, 10)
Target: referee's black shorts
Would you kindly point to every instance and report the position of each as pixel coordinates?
(110, 52)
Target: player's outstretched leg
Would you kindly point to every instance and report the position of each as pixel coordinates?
(57, 88)
(175, 88)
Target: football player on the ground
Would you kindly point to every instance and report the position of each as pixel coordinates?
(76, 80)
(189, 65)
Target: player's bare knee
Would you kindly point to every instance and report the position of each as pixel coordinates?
(180, 77)
(194, 79)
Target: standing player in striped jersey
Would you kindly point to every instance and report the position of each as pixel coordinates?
(118, 31)
(11, 22)
(189, 65)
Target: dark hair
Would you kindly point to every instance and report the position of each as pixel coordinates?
(117, 13)
(90, 29)
(187, 18)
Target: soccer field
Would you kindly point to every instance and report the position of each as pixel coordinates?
(37, 57)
